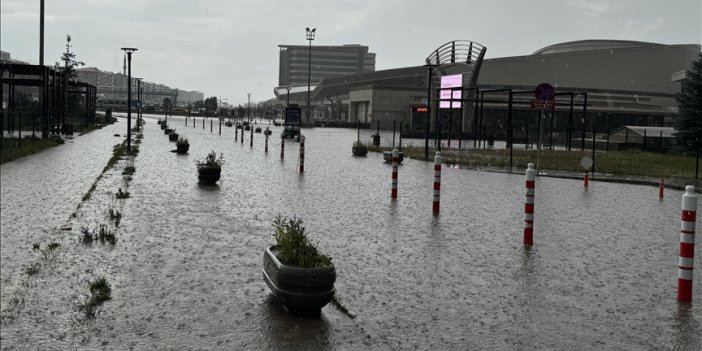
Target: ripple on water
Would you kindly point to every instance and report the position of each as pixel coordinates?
(186, 271)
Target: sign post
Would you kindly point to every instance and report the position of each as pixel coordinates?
(292, 121)
(545, 99)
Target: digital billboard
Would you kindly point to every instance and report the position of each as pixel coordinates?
(452, 81)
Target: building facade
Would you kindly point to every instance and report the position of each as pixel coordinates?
(112, 90)
(626, 82)
(327, 61)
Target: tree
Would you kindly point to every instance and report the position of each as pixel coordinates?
(688, 122)
(69, 60)
(211, 104)
(167, 104)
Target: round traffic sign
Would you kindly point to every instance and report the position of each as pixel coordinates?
(544, 91)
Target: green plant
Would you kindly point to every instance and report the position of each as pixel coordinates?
(103, 235)
(115, 215)
(122, 194)
(182, 141)
(293, 247)
(33, 269)
(129, 170)
(211, 161)
(106, 236)
(87, 236)
(100, 292)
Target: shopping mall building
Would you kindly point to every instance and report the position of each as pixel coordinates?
(626, 83)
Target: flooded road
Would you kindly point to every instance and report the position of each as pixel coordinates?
(186, 269)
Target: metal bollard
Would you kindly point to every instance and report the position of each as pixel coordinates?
(586, 180)
(529, 205)
(437, 183)
(302, 154)
(687, 244)
(395, 163)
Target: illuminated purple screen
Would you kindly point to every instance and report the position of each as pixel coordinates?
(452, 81)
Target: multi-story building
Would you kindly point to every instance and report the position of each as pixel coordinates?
(186, 98)
(112, 90)
(327, 61)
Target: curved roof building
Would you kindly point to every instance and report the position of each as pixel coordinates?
(626, 78)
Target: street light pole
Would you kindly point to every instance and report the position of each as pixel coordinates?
(42, 96)
(429, 67)
(248, 108)
(129, 52)
(138, 106)
(310, 36)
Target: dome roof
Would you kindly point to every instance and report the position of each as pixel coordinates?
(592, 44)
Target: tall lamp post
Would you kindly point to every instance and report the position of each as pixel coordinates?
(248, 108)
(287, 97)
(310, 37)
(220, 102)
(129, 52)
(430, 68)
(138, 106)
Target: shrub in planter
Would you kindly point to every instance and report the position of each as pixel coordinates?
(164, 125)
(168, 130)
(209, 169)
(173, 136)
(182, 145)
(299, 276)
(159, 121)
(359, 149)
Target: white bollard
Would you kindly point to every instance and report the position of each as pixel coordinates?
(437, 183)
(687, 244)
(395, 163)
(529, 205)
(302, 154)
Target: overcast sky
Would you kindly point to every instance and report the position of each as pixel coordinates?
(229, 48)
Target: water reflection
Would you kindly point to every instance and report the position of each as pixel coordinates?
(191, 256)
(283, 331)
(686, 328)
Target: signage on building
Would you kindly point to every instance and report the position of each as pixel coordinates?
(448, 82)
(292, 116)
(545, 97)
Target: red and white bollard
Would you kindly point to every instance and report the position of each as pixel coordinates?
(660, 189)
(395, 163)
(282, 147)
(687, 244)
(586, 180)
(437, 183)
(529, 205)
(302, 154)
(266, 133)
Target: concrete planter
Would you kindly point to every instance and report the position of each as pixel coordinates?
(359, 150)
(173, 137)
(208, 175)
(182, 148)
(303, 291)
(387, 156)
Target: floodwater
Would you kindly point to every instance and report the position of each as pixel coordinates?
(186, 269)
